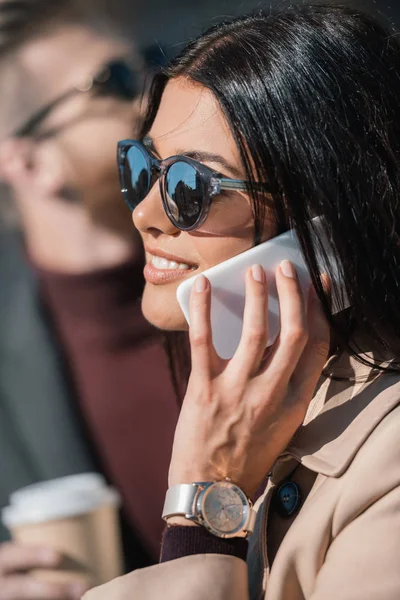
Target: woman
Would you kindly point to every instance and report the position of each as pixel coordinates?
(305, 104)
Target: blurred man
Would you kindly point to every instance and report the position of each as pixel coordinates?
(84, 381)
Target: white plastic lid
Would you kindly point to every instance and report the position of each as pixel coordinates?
(58, 499)
(81, 482)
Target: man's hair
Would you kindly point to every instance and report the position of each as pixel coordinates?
(20, 20)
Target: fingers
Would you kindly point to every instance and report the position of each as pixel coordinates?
(14, 585)
(252, 345)
(308, 370)
(14, 558)
(294, 328)
(202, 349)
(24, 587)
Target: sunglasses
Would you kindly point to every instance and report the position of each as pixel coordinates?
(116, 79)
(187, 187)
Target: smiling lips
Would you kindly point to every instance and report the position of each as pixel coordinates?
(159, 269)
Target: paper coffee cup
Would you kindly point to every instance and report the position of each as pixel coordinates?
(81, 483)
(78, 516)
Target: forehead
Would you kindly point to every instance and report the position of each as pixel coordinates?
(65, 56)
(190, 118)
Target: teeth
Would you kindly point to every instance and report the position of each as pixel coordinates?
(164, 264)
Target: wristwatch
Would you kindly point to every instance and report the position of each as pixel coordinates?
(219, 506)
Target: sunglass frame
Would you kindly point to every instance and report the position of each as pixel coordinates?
(212, 181)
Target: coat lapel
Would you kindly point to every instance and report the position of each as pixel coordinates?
(328, 442)
(343, 413)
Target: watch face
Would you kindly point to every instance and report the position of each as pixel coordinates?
(225, 509)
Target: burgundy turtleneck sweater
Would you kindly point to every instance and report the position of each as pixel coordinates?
(121, 376)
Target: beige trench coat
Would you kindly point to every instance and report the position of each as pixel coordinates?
(343, 544)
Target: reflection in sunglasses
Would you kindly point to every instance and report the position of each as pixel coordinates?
(184, 192)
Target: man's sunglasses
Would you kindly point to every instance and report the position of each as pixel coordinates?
(115, 79)
(187, 187)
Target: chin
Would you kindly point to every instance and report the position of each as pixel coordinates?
(161, 308)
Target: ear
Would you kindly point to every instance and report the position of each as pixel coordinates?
(31, 168)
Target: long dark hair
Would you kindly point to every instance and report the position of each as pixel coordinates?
(312, 97)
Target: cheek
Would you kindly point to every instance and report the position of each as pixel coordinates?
(215, 250)
(91, 153)
(160, 305)
(228, 231)
(91, 147)
(230, 216)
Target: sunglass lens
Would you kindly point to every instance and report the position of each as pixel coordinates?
(119, 80)
(136, 177)
(184, 192)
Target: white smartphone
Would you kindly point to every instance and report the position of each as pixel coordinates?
(227, 281)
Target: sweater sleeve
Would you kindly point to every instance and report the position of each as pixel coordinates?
(180, 541)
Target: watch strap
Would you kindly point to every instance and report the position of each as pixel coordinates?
(179, 500)
(252, 521)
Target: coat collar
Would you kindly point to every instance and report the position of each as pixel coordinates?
(343, 414)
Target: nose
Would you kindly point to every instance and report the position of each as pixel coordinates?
(149, 215)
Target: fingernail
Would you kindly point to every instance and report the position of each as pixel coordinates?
(40, 589)
(201, 283)
(288, 269)
(49, 555)
(77, 590)
(258, 273)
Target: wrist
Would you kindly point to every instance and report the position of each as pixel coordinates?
(180, 522)
(221, 507)
(179, 542)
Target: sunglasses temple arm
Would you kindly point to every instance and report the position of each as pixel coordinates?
(233, 184)
(239, 184)
(30, 126)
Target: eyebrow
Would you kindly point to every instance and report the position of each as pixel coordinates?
(199, 155)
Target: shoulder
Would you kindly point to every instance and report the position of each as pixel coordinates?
(379, 456)
(374, 472)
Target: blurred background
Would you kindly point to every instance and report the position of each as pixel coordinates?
(171, 24)
(174, 22)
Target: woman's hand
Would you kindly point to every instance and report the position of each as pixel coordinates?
(239, 415)
(16, 582)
